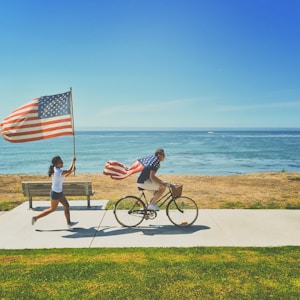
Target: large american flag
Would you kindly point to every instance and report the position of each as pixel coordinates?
(42, 118)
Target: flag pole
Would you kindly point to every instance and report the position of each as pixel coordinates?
(72, 118)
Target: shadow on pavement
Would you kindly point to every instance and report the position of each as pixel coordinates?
(151, 230)
(75, 232)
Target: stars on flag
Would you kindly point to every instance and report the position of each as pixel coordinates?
(54, 106)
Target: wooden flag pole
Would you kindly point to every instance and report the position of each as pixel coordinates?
(72, 118)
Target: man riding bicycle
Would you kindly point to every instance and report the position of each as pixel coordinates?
(148, 180)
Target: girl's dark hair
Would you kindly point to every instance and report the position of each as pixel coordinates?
(55, 160)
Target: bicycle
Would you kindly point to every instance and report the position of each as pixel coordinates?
(130, 211)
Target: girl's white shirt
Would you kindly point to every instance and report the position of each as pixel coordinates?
(57, 180)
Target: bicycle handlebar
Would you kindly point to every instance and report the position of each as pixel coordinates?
(170, 184)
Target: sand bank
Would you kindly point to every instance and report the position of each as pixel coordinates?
(269, 190)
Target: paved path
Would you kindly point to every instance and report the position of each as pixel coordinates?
(97, 227)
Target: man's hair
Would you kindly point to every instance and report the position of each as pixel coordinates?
(159, 151)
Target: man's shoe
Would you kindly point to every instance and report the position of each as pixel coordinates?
(153, 207)
(33, 220)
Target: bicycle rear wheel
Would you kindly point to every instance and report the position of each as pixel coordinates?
(182, 211)
(129, 211)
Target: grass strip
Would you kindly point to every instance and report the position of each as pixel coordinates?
(151, 273)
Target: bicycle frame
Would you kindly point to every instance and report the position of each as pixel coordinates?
(162, 200)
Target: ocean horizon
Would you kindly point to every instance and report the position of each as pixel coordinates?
(204, 152)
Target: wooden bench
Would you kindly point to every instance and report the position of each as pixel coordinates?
(70, 188)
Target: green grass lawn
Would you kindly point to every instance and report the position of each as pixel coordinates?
(151, 273)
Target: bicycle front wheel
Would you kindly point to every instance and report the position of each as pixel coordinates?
(182, 211)
(129, 211)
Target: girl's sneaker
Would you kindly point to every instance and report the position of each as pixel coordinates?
(70, 225)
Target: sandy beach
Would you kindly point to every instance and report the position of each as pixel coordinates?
(260, 190)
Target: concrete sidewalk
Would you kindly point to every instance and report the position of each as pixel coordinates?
(97, 227)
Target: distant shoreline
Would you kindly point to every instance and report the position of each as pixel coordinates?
(88, 129)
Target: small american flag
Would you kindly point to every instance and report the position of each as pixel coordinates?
(117, 170)
(42, 118)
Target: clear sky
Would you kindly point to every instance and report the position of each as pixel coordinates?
(155, 63)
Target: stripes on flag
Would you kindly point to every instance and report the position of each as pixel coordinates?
(42, 118)
(118, 171)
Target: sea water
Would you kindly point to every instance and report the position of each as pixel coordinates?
(187, 152)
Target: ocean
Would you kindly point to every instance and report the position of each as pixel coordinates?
(187, 152)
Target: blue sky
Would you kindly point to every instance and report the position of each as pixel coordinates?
(155, 64)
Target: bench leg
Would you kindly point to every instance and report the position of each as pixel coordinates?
(30, 202)
(89, 201)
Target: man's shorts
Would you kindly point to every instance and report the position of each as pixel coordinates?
(55, 195)
(149, 185)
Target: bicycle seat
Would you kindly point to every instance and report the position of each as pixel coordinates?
(140, 189)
